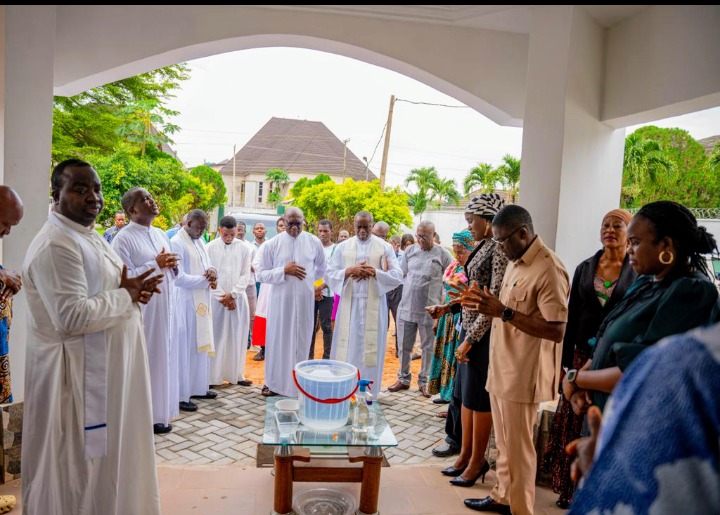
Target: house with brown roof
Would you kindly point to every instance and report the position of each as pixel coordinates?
(301, 148)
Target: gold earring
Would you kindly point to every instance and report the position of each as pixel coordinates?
(487, 226)
(666, 260)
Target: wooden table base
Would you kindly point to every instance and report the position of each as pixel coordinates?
(286, 473)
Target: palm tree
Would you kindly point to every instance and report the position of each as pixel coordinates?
(642, 161)
(445, 191)
(424, 179)
(508, 174)
(278, 179)
(482, 175)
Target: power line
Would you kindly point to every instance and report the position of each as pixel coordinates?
(429, 103)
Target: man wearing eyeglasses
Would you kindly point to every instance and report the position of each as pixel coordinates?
(362, 270)
(423, 266)
(529, 317)
(291, 262)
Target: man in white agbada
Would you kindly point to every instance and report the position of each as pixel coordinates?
(290, 261)
(362, 270)
(87, 448)
(231, 259)
(193, 329)
(251, 290)
(142, 247)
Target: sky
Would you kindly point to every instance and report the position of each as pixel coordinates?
(230, 96)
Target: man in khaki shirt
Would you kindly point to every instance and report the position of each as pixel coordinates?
(525, 352)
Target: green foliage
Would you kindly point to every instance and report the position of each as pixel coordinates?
(278, 178)
(508, 174)
(425, 179)
(340, 202)
(175, 190)
(481, 176)
(668, 164)
(304, 182)
(90, 122)
(210, 177)
(143, 122)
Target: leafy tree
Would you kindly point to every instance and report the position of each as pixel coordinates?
(210, 177)
(714, 159)
(88, 123)
(444, 191)
(340, 202)
(508, 174)
(424, 179)
(481, 176)
(175, 190)
(304, 182)
(144, 122)
(278, 179)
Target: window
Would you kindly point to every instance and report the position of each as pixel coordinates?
(241, 195)
(260, 192)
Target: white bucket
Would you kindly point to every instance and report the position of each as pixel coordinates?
(325, 387)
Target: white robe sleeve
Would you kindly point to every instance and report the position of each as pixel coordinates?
(185, 280)
(264, 270)
(123, 248)
(391, 278)
(244, 280)
(335, 271)
(59, 276)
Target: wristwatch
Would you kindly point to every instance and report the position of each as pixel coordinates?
(571, 376)
(507, 314)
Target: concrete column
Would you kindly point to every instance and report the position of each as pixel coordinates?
(26, 96)
(571, 161)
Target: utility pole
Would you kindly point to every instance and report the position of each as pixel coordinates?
(367, 176)
(233, 182)
(386, 146)
(345, 157)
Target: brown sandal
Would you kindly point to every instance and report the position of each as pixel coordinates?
(267, 392)
(442, 414)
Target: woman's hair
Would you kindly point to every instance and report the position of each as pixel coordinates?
(406, 238)
(677, 223)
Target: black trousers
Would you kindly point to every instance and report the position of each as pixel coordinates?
(323, 315)
(453, 425)
(393, 300)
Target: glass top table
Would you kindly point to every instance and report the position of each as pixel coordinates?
(298, 434)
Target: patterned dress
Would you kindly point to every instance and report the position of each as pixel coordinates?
(5, 320)
(442, 368)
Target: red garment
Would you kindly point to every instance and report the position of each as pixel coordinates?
(258, 332)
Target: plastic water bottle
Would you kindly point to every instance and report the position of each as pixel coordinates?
(362, 419)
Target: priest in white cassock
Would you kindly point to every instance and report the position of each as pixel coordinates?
(362, 270)
(290, 261)
(231, 316)
(142, 247)
(193, 329)
(87, 447)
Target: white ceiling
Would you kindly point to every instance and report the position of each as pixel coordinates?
(507, 18)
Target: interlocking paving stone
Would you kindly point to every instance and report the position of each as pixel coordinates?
(227, 430)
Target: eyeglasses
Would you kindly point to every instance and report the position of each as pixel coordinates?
(506, 238)
(294, 224)
(423, 236)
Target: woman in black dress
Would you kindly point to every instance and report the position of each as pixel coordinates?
(485, 266)
(598, 284)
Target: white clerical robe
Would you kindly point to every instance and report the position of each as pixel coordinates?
(57, 479)
(385, 280)
(230, 328)
(192, 365)
(138, 246)
(291, 306)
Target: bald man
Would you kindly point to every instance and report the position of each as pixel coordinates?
(11, 212)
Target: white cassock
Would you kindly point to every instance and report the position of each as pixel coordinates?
(138, 246)
(291, 306)
(62, 315)
(230, 328)
(368, 312)
(190, 285)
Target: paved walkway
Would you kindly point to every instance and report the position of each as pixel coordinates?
(226, 430)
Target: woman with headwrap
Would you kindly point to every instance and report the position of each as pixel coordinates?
(598, 284)
(442, 367)
(485, 266)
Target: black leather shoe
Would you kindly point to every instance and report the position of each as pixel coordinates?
(260, 355)
(461, 481)
(440, 400)
(452, 471)
(488, 504)
(445, 450)
(188, 406)
(245, 382)
(208, 395)
(160, 429)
